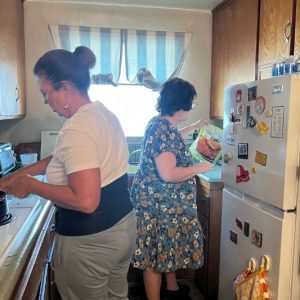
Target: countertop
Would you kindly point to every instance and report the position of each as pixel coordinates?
(17, 258)
(212, 176)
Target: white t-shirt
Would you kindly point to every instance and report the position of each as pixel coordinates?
(91, 138)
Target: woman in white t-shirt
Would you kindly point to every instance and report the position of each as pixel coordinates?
(86, 180)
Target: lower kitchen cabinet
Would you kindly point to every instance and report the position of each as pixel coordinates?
(209, 205)
(37, 281)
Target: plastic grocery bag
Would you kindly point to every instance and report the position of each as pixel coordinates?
(208, 144)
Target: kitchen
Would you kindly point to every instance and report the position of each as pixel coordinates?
(237, 63)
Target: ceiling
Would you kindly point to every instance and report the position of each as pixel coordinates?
(179, 4)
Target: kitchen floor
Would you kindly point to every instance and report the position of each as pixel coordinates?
(137, 292)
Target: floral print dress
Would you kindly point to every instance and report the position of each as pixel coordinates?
(169, 236)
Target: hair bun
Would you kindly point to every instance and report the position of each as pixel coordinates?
(85, 56)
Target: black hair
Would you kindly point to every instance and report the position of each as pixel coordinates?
(176, 94)
(59, 65)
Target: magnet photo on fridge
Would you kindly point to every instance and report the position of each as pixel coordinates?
(243, 151)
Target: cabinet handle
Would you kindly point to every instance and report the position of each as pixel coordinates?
(287, 35)
(287, 31)
(51, 228)
(17, 94)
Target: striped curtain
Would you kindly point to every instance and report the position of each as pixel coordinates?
(154, 55)
(151, 57)
(106, 43)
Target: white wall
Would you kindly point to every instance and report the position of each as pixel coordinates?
(38, 16)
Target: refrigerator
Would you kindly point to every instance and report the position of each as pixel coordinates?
(260, 171)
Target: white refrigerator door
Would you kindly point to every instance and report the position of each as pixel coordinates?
(271, 158)
(277, 241)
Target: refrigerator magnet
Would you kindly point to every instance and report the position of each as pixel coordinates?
(256, 238)
(260, 105)
(261, 158)
(262, 128)
(239, 223)
(233, 236)
(251, 122)
(243, 150)
(277, 121)
(242, 175)
(240, 109)
(252, 92)
(238, 96)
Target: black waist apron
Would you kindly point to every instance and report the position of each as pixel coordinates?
(114, 205)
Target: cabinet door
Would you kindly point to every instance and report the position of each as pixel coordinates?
(20, 109)
(234, 47)
(11, 59)
(274, 30)
(297, 30)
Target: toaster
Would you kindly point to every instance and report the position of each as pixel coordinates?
(7, 158)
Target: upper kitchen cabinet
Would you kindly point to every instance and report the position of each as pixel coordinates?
(297, 30)
(275, 31)
(234, 48)
(12, 60)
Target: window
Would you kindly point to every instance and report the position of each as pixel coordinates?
(134, 105)
(146, 57)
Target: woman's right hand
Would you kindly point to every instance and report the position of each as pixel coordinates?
(205, 167)
(5, 182)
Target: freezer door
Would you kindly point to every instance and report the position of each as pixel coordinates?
(273, 232)
(261, 139)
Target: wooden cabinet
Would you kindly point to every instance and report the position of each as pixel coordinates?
(275, 30)
(234, 48)
(209, 204)
(297, 30)
(12, 60)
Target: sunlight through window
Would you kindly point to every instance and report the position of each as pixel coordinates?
(133, 105)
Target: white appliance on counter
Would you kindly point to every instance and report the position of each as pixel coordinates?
(7, 158)
(260, 171)
(48, 141)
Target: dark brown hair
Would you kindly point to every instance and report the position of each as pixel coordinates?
(59, 65)
(176, 94)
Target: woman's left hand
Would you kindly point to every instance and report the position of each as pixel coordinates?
(200, 123)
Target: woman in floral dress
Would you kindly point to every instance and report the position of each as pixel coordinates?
(164, 195)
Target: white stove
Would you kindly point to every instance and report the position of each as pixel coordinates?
(21, 210)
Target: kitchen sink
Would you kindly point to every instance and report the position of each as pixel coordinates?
(21, 210)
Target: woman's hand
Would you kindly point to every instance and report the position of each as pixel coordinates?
(200, 123)
(205, 167)
(195, 126)
(18, 186)
(6, 181)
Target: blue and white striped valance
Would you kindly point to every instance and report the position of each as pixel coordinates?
(151, 57)
(159, 52)
(106, 43)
